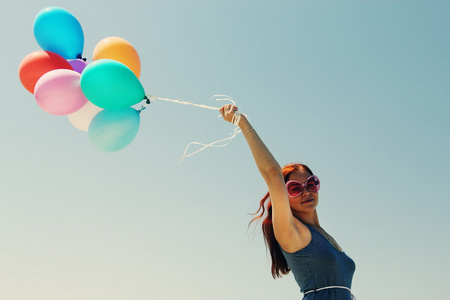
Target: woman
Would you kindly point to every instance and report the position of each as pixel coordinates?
(291, 227)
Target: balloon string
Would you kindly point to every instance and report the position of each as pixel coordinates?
(215, 97)
(234, 133)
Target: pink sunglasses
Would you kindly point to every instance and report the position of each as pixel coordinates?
(295, 188)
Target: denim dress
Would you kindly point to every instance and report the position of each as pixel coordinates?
(321, 271)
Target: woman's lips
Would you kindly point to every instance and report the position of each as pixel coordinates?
(307, 201)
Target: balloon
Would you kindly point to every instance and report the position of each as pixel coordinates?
(57, 30)
(58, 92)
(83, 117)
(36, 64)
(78, 64)
(113, 130)
(110, 84)
(121, 50)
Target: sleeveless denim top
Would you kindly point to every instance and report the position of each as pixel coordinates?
(320, 265)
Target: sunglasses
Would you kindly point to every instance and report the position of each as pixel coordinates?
(295, 188)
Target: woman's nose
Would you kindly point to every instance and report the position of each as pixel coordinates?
(305, 192)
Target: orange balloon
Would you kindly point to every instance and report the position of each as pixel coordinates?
(121, 50)
(36, 64)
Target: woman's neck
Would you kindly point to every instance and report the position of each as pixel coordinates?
(309, 218)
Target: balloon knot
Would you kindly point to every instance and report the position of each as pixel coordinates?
(147, 102)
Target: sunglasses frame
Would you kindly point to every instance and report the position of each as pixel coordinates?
(303, 185)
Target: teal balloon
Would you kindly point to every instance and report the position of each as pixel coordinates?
(113, 130)
(58, 31)
(110, 84)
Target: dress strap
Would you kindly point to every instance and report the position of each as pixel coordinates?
(331, 287)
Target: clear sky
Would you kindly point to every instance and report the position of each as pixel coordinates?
(358, 90)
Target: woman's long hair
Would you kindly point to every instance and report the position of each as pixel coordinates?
(279, 264)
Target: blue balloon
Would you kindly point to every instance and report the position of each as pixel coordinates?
(57, 30)
(113, 130)
(110, 84)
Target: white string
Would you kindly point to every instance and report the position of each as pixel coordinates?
(226, 141)
(236, 118)
(182, 102)
(235, 132)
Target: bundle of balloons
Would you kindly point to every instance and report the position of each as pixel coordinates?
(97, 96)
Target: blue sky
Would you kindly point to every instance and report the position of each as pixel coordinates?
(357, 90)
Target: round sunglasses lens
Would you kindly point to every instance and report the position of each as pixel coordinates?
(294, 189)
(313, 184)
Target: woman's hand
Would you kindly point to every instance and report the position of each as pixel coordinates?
(227, 111)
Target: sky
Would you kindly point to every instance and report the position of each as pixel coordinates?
(357, 90)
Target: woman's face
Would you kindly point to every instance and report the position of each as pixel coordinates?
(307, 201)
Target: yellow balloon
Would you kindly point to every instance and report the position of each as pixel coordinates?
(121, 50)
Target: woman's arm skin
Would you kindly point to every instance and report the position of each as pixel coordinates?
(289, 232)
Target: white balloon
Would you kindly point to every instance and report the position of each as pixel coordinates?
(83, 117)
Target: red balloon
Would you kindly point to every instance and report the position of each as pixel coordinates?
(36, 64)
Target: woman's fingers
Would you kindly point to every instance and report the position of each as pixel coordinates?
(227, 111)
(229, 108)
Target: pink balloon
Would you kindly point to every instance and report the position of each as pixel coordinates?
(78, 64)
(58, 92)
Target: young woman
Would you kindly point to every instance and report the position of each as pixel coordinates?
(291, 226)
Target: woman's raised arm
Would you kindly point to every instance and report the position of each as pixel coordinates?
(285, 230)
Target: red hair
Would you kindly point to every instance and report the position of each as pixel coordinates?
(279, 264)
